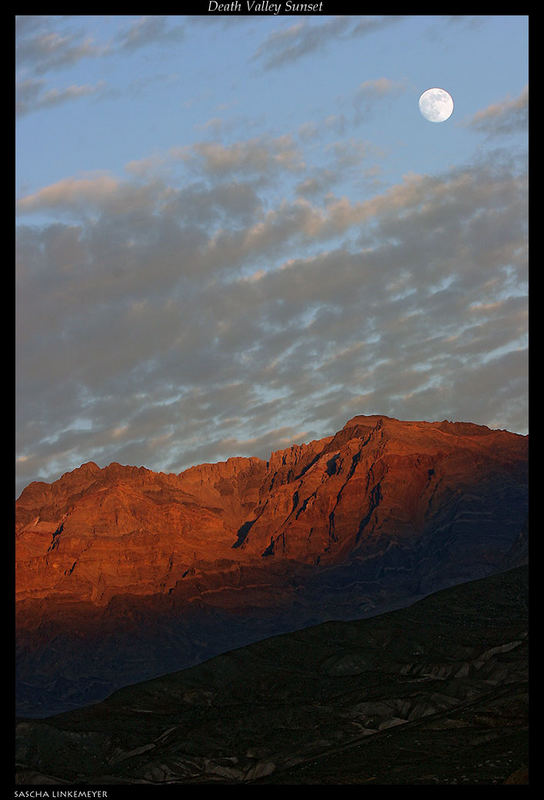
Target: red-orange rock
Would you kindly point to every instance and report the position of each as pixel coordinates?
(98, 532)
(109, 561)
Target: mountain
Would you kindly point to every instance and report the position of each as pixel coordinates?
(436, 693)
(123, 574)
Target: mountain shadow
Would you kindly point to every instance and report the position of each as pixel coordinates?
(436, 693)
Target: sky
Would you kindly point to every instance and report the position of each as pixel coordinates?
(236, 232)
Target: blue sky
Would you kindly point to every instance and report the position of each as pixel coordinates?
(236, 232)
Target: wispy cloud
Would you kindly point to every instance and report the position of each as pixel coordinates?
(32, 95)
(42, 50)
(254, 264)
(45, 51)
(508, 116)
(150, 30)
(254, 156)
(76, 195)
(299, 40)
(207, 312)
(262, 157)
(372, 92)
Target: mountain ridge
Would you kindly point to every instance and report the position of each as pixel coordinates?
(246, 504)
(375, 515)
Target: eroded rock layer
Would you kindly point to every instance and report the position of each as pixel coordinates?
(123, 574)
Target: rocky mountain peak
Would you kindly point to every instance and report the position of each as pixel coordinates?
(377, 513)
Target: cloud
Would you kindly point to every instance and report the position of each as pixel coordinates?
(367, 25)
(287, 45)
(42, 49)
(261, 158)
(373, 94)
(258, 156)
(506, 117)
(45, 51)
(351, 158)
(290, 44)
(172, 320)
(150, 30)
(97, 192)
(371, 91)
(33, 96)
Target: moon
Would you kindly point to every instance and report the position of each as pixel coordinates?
(436, 105)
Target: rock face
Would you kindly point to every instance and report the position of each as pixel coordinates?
(123, 573)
